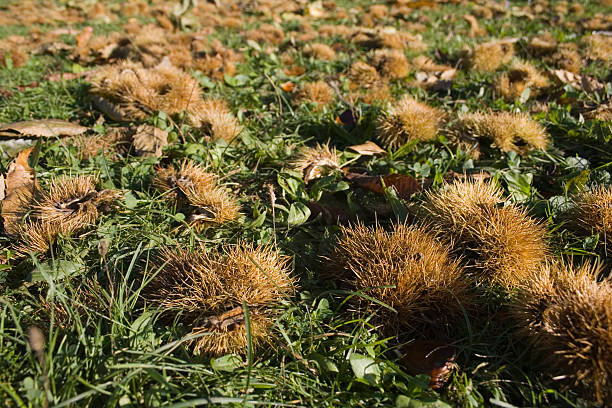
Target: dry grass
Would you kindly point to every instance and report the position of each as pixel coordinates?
(502, 244)
(209, 288)
(567, 315)
(408, 120)
(427, 283)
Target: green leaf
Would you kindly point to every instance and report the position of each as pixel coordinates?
(399, 208)
(578, 183)
(236, 81)
(324, 363)
(519, 184)
(298, 214)
(525, 95)
(403, 401)
(365, 368)
(131, 202)
(35, 154)
(56, 270)
(257, 222)
(229, 363)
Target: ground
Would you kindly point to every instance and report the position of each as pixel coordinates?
(272, 102)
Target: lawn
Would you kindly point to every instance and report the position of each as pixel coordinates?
(305, 204)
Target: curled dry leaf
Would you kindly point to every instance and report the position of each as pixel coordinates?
(580, 82)
(434, 358)
(330, 214)
(437, 81)
(288, 86)
(19, 188)
(41, 128)
(149, 141)
(405, 186)
(369, 148)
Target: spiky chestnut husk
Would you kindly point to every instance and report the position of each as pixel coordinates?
(363, 75)
(70, 205)
(319, 92)
(73, 203)
(391, 63)
(209, 288)
(134, 92)
(408, 120)
(196, 192)
(592, 212)
(487, 57)
(320, 51)
(503, 244)
(79, 302)
(567, 315)
(515, 132)
(521, 75)
(429, 287)
(315, 162)
(217, 120)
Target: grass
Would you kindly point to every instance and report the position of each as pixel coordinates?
(324, 352)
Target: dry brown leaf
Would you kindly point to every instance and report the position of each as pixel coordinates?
(20, 186)
(2, 187)
(84, 36)
(424, 63)
(288, 86)
(405, 186)
(437, 81)
(330, 214)
(434, 358)
(41, 128)
(369, 148)
(580, 82)
(64, 76)
(149, 141)
(475, 29)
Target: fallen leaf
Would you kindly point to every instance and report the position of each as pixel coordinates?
(65, 76)
(2, 187)
(84, 36)
(149, 141)
(288, 86)
(421, 4)
(41, 128)
(19, 188)
(580, 82)
(434, 358)
(424, 63)
(437, 81)
(331, 215)
(316, 10)
(475, 29)
(27, 86)
(405, 186)
(347, 118)
(54, 48)
(369, 148)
